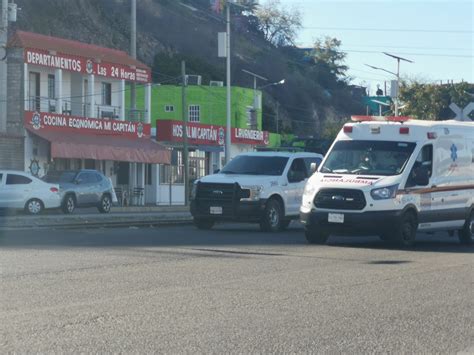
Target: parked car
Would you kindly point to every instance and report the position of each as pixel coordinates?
(261, 187)
(19, 190)
(83, 188)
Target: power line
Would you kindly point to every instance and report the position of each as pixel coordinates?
(387, 29)
(415, 54)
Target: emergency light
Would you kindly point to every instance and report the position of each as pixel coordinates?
(380, 118)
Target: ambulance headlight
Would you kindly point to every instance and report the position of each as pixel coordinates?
(384, 193)
(309, 189)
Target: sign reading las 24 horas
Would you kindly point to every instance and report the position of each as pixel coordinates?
(37, 121)
(86, 66)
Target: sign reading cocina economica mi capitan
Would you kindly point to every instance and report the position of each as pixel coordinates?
(86, 66)
(52, 121)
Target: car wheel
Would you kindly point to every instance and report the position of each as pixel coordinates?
(69, 204)
(34, 206)
(272, 220)
(105, 204)
(405, 232)
(203, 223)
(315, 236)
(466, 234)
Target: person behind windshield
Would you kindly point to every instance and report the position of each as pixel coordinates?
(367, 161)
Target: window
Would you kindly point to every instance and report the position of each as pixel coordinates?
(169, 108)
(173, 173)
(424, 161)
(194, 113)
(51, 86)
(197, 165)
(13, 179)
(87, 178)
(1, 176)
(107, 94)
(148, 174)
(297, 172)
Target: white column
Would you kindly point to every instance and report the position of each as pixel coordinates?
(58, 78)
(91, 112)
(148, 103)
(26, 84)
(122, 100)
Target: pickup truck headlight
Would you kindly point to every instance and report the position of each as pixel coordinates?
(384, 193)
(251, 193)
(309, 189)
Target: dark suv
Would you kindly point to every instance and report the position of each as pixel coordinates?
(83, 188)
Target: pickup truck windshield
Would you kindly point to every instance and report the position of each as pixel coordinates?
(368, 158)
(256, 165)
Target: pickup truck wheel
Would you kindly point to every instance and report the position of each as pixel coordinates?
(69, 204)
(405, 232)
(272, 219)
(315, 236)
(466, 234)
(204, 224)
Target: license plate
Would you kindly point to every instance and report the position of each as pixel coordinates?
(335, 218)
(216, 210)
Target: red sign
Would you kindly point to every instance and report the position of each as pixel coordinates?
(38, 121)
(172, 131)
(86, 66)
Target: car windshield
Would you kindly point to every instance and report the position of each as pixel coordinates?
(368, 158)
(60, 177)
(256, 165)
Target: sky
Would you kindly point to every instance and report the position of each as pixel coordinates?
(438, 35)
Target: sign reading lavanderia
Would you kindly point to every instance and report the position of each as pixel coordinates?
(86, 66)
(52, 121)
(203, 134)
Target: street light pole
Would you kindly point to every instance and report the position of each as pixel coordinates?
(229, 112)
(184, 115)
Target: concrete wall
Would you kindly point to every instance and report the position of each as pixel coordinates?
(11, 152)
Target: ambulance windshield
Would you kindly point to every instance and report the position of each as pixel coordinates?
(368, 158)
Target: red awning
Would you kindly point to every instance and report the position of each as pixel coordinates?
(104, 147)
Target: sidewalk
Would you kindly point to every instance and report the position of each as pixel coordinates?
(91, 218)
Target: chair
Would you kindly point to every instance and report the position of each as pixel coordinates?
(137, 195)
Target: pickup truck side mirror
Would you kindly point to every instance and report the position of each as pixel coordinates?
(216, 171)
(313, 168)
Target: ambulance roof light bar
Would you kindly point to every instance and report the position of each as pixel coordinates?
(400, 119)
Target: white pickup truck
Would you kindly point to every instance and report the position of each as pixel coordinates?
(261, 187)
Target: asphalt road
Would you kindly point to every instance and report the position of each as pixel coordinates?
(231, 290)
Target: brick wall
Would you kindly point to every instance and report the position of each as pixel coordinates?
(11, 152)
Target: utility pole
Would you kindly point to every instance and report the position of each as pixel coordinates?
(184, 113)
(228, 101)
(133, 52)
(3, 65)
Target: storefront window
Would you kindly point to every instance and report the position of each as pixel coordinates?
(107, 94)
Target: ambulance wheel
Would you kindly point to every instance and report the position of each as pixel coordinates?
(314, 236)
(466, 234)
(203, 223)
(405, 232)
(272, 219)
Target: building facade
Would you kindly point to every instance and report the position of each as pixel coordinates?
(66, 110)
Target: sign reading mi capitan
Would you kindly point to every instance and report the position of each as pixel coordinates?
(202, 134)
(86, 66)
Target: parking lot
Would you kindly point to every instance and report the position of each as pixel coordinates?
(232, 289)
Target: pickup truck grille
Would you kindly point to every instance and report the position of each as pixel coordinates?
(340, 199)
(226, 196)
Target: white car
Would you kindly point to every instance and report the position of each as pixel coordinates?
(261, 187)
(19, 190)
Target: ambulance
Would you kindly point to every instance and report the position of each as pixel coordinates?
(393, 177)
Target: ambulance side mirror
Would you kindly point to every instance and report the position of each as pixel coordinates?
(313, 168)
(422, 177)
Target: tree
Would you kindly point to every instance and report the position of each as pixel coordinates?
(327, 53)
(279, 24)
(431, 101)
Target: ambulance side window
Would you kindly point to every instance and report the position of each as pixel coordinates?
(423, 166)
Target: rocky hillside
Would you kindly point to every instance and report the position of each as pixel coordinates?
(169, 30)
